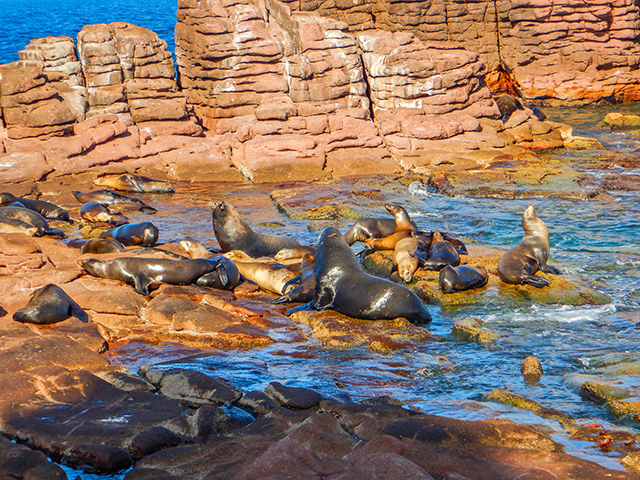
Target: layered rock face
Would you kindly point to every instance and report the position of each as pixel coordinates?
(552, 51)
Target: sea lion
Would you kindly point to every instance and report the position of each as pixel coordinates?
(427, 237)
(49, 304)
(134, 183)
(295, 253)
(145, 234)
(519, 264)
(385, 243)
(31, 217)
(226, 276)
(46, 209)
(102, 245)
(145, 273)
(367, 228)
(343, 286)
(233, 233)
(463, 277)
(108, 197)
(12, 225)
(409, 254)
(441, 253)
(269, 277)
(507, 104)
(301, 289)
(95, 212)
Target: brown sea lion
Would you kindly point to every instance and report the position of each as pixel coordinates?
(367, 228)
(463, 277)
(301, 289)
(12, 225)
(46, 209)
(225, 277)
(385, 243)
(343, 286)
(409, 254)
(134, 183)
(31, 217)
(441, 253)
(49, 304)
(108, 197)
(295, 253)
(147, 273)
(233, 233)
(95, 212)
(269, 277)
(102, 245)
(519, 264)
(507, 104)
(145, 234)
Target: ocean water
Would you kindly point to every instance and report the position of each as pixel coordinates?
(23, 20)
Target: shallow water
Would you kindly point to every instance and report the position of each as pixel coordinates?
(596, 240)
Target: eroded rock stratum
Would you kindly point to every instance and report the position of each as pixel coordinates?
(272, 91)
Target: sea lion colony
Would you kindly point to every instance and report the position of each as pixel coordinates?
(326, 276)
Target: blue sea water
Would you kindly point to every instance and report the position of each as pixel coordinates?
(23, 20)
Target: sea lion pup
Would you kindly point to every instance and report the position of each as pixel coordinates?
(519, 264)
(295, 253)
(226, 275)
(108, 197)
(49, 304)
(367, 228)
(95, 212)
(409, 254)
(31, 217)
(441, 253)
(46, 209)
(145, 234)
(147, 273)
(233, 233)
(303, 287)
(271, 277)
(507, 104)
(343, 286)
(385, 243)
(463, 277)
(102, 245)
(12, 225)
(134, 183)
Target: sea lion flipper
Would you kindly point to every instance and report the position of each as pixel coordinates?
(299, 308)
(394, 268)
(552, 270)
(222, 273)
(535, 281)
(281, 299)
(294, 282)
(141, 284)
(324, 299)
(364, 253)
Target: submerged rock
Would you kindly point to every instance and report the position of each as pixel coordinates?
(474, 330)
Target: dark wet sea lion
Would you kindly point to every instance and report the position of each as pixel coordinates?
(463, 277)
(12, 225)
(108, 197)
(49, 304)
(145, 273)
(46, 209)
(519, 264)
(134, 183)
(343, 286)
(97, 213)
(409, 254)
(226, 276)
(441, 253)
(28, 216)
(427, 237)
(145, 234)
(102, 245)
(301, 289)
(367, 228)
(233, 233)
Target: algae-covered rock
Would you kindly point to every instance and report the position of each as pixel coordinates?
(582, 143)
(531, 367)
(564, 289)
(505, 397)
(603, 393)
(473, 330)
(619, 121)
(623, 408)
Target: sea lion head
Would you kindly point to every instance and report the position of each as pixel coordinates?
(93, 266)
(6, 197)
(532, 225)
(407, 268)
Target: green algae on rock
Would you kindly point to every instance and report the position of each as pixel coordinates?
(619, 121)
(564, 289)
(505, 397)
(473, 330)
